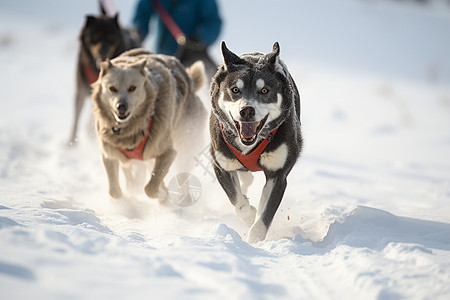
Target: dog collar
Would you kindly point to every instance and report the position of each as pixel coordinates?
(137, 152)
(250, 160)
(90, 73)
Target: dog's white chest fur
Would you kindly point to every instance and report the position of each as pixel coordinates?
(229, 164)
(274, 160)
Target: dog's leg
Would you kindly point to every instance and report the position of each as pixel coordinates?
(231, 184)
(270, 201)
(155, 188)
(112, 171)
(80, 97)
(246, 179)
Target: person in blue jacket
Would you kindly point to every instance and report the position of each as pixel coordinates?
(198, 19)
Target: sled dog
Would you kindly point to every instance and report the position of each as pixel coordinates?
(101, 37)
(254, 126)
(146, 107)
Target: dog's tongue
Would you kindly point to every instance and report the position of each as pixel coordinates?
(248, 130)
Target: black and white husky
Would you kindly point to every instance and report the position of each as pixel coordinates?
(254, 126)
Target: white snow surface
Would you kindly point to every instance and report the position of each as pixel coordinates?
(366, 214)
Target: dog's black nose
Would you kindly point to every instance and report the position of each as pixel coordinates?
(247, 112)
(122, 107)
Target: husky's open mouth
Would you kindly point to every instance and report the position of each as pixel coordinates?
(248, 131)
(121, 117)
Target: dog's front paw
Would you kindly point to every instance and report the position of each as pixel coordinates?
(246, 213)
(257, 232)
(115, 192)
(152, 190)
(158, 192)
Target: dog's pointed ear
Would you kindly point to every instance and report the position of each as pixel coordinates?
(104, 67)
(116, 18)
(90, 20)
(230, 58)
(140, 65)
(276, 48)
(272, 57)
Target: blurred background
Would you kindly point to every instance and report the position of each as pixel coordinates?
(406, 39)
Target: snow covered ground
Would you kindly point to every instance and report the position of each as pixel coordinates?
(366, 214)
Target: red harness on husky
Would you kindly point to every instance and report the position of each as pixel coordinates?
(250, 160)
(90, 73)
(137, 152)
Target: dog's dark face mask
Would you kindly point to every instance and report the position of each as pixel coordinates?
(102, 38)
(249, 94)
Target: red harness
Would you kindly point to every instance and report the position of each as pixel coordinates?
(137, 152)
(250, 160)
(90, 73)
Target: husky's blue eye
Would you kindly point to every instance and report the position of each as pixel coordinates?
(235, 90)
(264, 91)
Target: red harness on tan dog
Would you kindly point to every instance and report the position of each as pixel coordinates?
(250, 160)
(137, 152)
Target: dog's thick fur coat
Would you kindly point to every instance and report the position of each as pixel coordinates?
(133, 88)
(254, 102)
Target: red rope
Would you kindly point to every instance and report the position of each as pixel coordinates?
(167, 19)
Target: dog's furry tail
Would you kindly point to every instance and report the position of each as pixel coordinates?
(197, 73)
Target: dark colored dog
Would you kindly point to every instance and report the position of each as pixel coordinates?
(193, 51)
(255, 126)
(100, 38)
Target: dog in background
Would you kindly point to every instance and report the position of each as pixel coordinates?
(101, 38)
(146, 108)
(254, 126)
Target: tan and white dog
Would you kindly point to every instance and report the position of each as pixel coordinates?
(146, 108)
